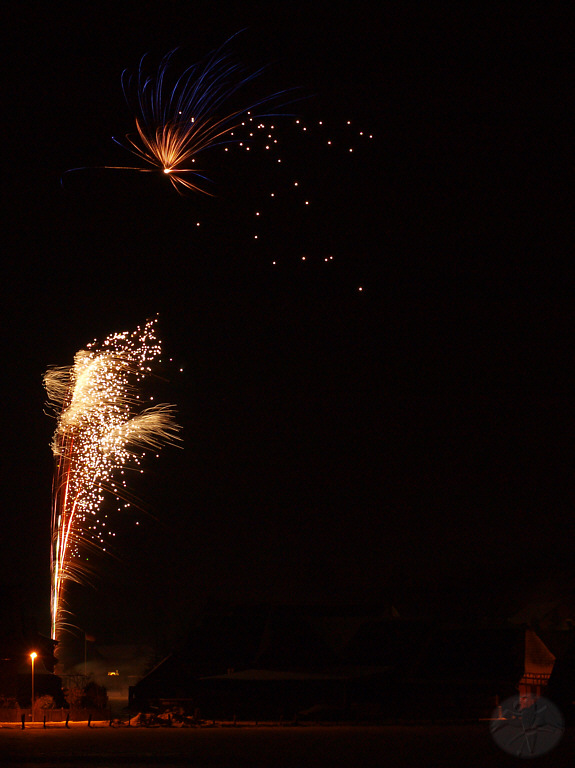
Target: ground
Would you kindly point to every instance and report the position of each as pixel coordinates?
(266, 746)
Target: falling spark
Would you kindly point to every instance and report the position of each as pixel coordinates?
(101, 429)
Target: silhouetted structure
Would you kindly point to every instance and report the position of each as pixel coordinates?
(18, 638)
(354, 662)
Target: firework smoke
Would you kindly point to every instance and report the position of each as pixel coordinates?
(103, 426)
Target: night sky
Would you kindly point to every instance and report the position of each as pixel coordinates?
(411, 441)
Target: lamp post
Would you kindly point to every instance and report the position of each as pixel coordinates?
(33, 655)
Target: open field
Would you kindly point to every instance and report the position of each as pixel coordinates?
(456, 745)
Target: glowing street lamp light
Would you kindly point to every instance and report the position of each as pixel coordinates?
(33, 655)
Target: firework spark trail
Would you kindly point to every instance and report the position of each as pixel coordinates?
(102, 427)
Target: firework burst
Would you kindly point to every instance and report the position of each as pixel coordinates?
(103, 426)
(179, 115)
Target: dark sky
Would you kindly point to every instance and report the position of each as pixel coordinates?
(412, 441)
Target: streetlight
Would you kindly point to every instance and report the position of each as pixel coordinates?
(33, 655)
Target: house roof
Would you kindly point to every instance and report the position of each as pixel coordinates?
(297, 639)
(278, 675)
